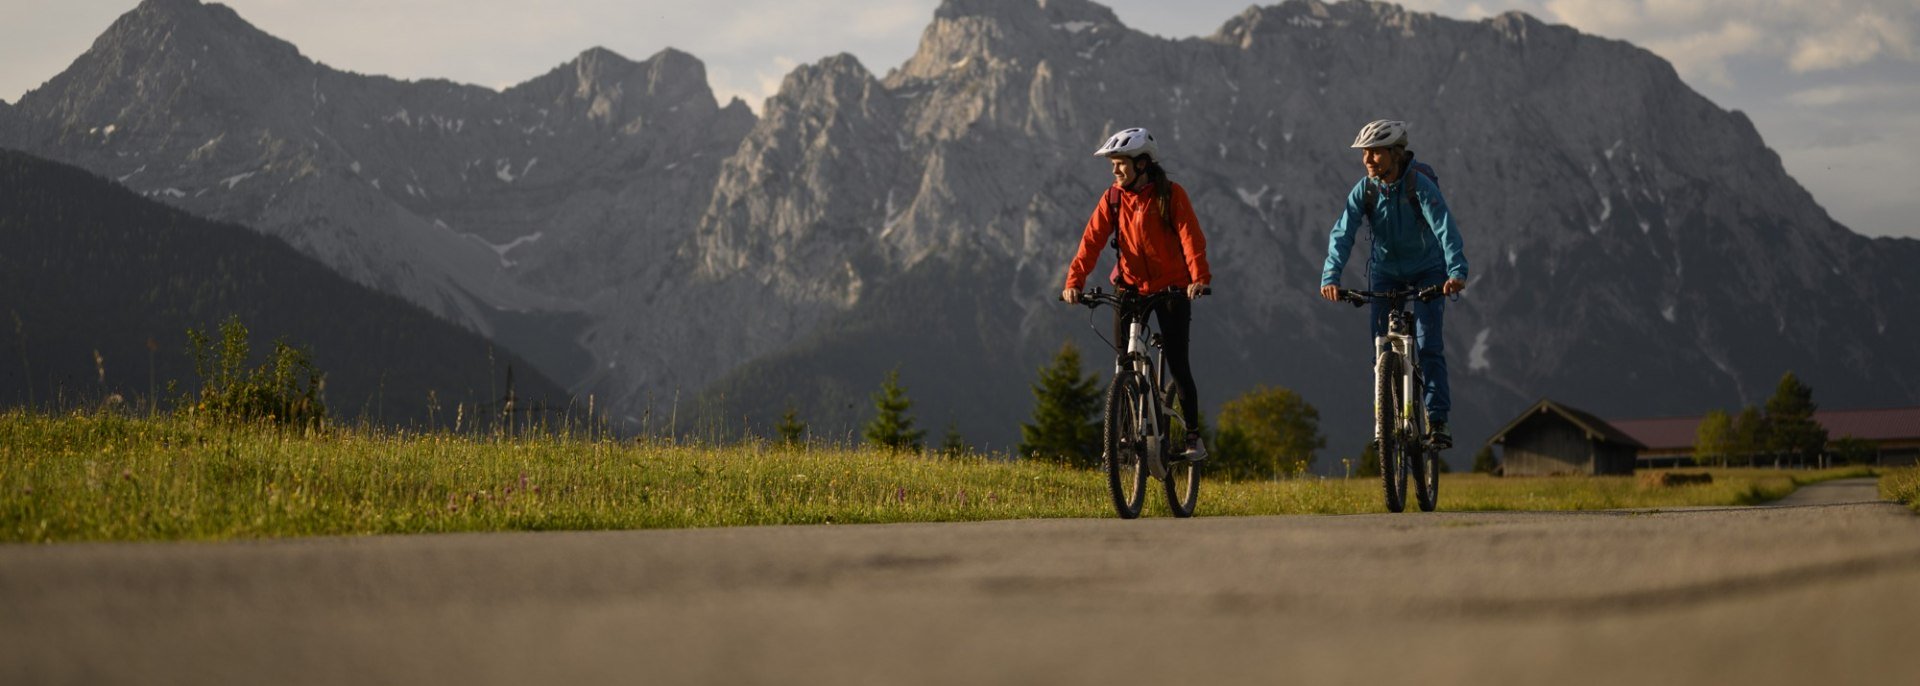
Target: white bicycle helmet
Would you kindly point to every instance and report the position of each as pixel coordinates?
(1382, 133)
(1132, 142)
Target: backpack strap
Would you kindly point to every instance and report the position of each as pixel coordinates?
(1372, 195)
(1112, 197)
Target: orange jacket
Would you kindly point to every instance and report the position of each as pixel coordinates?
(1153, 256)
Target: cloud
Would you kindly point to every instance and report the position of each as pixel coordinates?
(1854, 42)
(1700, 36)
(1704, 55)
(1857, 94)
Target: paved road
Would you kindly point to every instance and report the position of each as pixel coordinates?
(1772, 595)
(1837, 492)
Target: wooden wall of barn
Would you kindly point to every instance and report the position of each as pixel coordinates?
(1546, 444)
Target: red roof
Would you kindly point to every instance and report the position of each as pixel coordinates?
(1873, 425)
(1661, 434)
(1668, 433)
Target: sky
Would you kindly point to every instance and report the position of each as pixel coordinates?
(1832, 85)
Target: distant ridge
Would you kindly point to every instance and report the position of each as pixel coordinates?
(92, 267)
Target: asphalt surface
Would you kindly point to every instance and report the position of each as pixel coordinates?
(1791, 594)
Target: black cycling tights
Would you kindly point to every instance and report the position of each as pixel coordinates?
(1175, 317)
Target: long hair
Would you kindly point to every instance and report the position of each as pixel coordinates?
(1157, 175)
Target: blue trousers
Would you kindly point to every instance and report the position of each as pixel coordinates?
(1428, 321)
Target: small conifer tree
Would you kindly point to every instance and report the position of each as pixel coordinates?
(1791, 430)
(792, 431)
(892, 428)
(1369, 461)
(953, 445)
(1066, 407)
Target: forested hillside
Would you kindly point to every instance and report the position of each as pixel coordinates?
(89, 269)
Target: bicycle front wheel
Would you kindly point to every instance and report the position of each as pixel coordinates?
(1386, 405)
(1124, 446)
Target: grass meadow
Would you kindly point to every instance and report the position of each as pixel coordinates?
(110, 477)
(1902, 484)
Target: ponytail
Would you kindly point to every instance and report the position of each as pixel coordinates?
(1157, 176)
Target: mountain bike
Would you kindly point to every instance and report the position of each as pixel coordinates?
(1399, 402)
(1136, 440)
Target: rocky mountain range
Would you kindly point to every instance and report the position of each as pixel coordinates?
(1636, 249)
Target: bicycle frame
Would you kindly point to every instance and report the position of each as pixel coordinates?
(1140, 339)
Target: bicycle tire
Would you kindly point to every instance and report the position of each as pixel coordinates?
(1124, 446)
(1182, 486)
(1386, 404)
(1426, 479)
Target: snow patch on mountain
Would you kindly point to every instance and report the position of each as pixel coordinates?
(235, 180)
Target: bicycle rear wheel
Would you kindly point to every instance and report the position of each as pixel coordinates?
(1182, 486)
(1124, 445)
(1386, 404)
(1426, 478)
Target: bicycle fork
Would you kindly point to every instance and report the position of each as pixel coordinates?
(1407, 420)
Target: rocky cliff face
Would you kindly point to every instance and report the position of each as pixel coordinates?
(1635, 249)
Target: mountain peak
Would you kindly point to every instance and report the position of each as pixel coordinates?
(1026, 10)
(160, 23)
(147, 6)
(606, 87)
(601, 55)
(1005, 31)
(138, 70)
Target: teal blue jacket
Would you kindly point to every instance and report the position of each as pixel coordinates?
(1404, 247)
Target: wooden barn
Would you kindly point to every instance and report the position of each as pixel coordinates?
(1551, 438)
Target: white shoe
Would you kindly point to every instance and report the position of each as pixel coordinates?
(1196, 451)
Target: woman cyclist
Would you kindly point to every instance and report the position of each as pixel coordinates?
(1160, 246)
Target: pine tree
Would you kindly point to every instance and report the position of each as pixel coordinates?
(1066, 408)
(892, 428)
(1791, 429)
(1483, 461)
(953, 445)
(792, 430)
(1369, 461)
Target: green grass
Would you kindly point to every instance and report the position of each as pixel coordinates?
(110, 477)
(1902, 484)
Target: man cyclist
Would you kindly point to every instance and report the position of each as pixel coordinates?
(1160, 246)
(1415, 244)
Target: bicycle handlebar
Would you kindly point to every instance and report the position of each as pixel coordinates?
(1361, 298)
(1096, 297)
